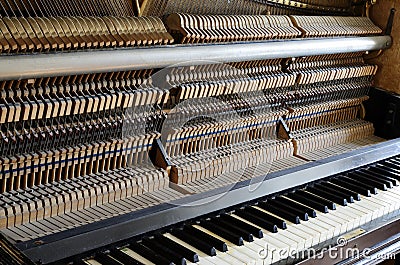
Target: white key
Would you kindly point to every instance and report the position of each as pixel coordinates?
(394, 196)
(395, 193)
(383, 199)
(338, 217)
(263, 251)
(279, 250)
(386, 207)
(374, 209)
(325, 231)
(291, 238)
(370, 203)
(331, 220)
(136, 256)
(309, 237)
(354, 218)
(366, 215)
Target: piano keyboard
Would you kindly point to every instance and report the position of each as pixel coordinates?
(269, 229)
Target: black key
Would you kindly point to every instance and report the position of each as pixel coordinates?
(243, 225)
(373, 189)
(327, 195)
(331, 205)
(397, 162)
(285, 214)
(293, 204)
(383, 171)
(267, 217)
(149, 254)
(393, 161)
(187, 253)
(387, 175)
(257, 221)
(389, 169)
(105, 259)
(164, 251)
(334, 191)
(354, 194)
(215, 242)
(392, 169)
(390, 182)
(369, 180)
(194, 241)
(350, 186)
(225, 233)
(299, 198)
(278, 204)
(124, 258)
(234, 229)
(391, 164)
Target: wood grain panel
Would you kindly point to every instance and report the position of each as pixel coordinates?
(388, 76)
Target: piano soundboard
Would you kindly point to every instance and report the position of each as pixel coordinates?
(172, 132)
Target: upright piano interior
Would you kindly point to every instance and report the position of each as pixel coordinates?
(210, 132)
